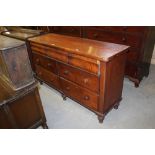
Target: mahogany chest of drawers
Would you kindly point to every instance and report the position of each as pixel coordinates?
(89, 72)
(141, 39)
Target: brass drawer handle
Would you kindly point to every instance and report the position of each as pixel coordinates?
(86, 97)
(67, 88)
(66, 72)
(49, 65)
(37, 60)
(86, 81)
(123, 39)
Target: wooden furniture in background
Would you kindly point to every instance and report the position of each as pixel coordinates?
(14, 63)
(20, 109)
(20, 105)
(89, 72)
(141, 39)
(20, 33)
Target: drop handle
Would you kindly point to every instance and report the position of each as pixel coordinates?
(66, 72)
(86, 97)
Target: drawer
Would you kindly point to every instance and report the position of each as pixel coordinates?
(131, 69)
(80, 77)
(101, 35)
(88, 64)
(114, 37)
(53, 53)
(129, 29)
(133, 54)
(44, 62)
(68, 30)
(47, 76)
(80, 94)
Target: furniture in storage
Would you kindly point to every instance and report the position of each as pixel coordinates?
(14, 63)
(89, 72)
(20, 104)
(20, 109)
(20, 33)
(141, 39)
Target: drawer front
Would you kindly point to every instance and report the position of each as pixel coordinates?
(101, 35)
(80, 77)
(50, 52)
(47, 76)
(68, 30)
(84, 63)
(133, 54)
(130, 29)
(82, 95)
(45, 62)
(114, 37)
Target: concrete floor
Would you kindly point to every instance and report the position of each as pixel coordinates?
(136, 110)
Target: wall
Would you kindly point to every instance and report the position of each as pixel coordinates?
(153, 57)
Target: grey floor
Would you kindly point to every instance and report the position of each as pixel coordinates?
(136, 110)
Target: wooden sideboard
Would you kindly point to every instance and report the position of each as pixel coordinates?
(89, 72)
(141, 39)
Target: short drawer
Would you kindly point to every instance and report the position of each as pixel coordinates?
(44, 62)
(51, 52)
(47, 76)
(80, 77)
(114, 37)
(80, 94)
(88, 64)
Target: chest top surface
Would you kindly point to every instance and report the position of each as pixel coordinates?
(7, 43)
(103, 51)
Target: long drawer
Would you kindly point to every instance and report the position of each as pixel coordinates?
(80, 94)
(80, 77)
(129, 29)
(47, 76)
(114, 37)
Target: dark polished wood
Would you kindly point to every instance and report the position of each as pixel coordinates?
(14, 63)
(20, 104)
(89, 72)
(20, 109)
(141, 39)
